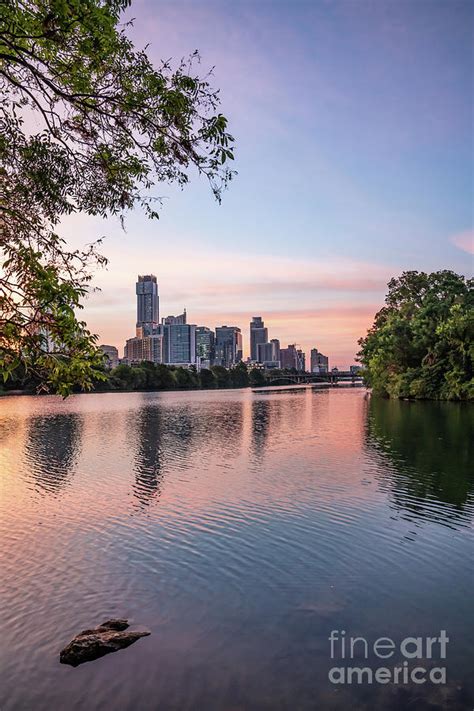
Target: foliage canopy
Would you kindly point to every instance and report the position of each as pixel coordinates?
(421, 344)
(88, 125)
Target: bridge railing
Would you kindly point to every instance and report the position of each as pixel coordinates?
(314, 377)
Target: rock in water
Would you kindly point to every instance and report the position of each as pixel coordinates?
(108, 637)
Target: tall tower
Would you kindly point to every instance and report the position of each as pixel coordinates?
(148, 304)
(228, 346)
(258, 334)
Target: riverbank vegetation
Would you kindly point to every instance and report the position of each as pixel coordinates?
(421, 344)
(148, 376)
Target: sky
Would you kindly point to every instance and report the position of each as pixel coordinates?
(353, 123)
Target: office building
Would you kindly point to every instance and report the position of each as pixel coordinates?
(264, 352)
(258, 335)
(268, 354)
(205, 347)
(148, 305)
(293, 357)
(179, 344)
(300, 361)
(288, 357)
(139, 349)
(228, 346)
(275, 350)
(319, 362)
(175, 320)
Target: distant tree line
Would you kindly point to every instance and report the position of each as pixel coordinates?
(421, 344)
(152, 376)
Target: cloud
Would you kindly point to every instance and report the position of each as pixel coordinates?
(464, 241)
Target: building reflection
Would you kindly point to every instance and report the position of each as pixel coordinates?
(168, 439)
(180, 433)
(430, 451)
(52, 448)
(148, 460)
(222, 426)
(260, 427)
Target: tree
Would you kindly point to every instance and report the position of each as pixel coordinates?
(239, 376)
(256, 378)
(110, 127)
(221, 376)
(207, 379)
(126, 377)
(421, 344)
(185, 378)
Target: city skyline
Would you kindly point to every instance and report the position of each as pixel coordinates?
(345, 178)
(174, 341)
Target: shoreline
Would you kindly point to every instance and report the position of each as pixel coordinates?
(259, 388)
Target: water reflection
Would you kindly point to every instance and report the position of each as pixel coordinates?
(279, 517)
(148, 434)
(261, 416)
(222, 426)
(429, 447)
(165, 439)
(52, 447)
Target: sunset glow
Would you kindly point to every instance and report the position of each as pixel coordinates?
(346, 177)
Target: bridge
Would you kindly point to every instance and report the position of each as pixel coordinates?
(302, 378)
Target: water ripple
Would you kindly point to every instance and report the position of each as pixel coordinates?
(240, 527)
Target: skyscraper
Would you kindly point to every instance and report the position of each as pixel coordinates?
(205, 346)
(228, 346)
(258, 334)
(179, 343)
(268, 354)
(275, 350)
(176, 320)
(292, 357)
(140, 348)
(264, 352)
(300, 360)
(319, 362)
(148, 305)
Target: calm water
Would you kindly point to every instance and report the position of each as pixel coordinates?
(240, 528)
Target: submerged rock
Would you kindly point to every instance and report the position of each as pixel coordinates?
(108, 637)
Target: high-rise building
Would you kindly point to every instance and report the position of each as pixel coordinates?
(264, 352)
(275, 350)
(288, 357)
(292, 357)
(228, 346)
(148, 304)
(175, 320)
(268, 354)
(258, 334)
(205, 347)
(179, 344)
(319, 362)
(142, 348)
(300, 360)
(112, 355)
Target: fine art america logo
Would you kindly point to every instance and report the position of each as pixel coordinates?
(417, 654)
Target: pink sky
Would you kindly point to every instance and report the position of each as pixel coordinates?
(352, 123)
(324, 303)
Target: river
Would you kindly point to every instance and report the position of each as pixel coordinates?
(240, 528)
